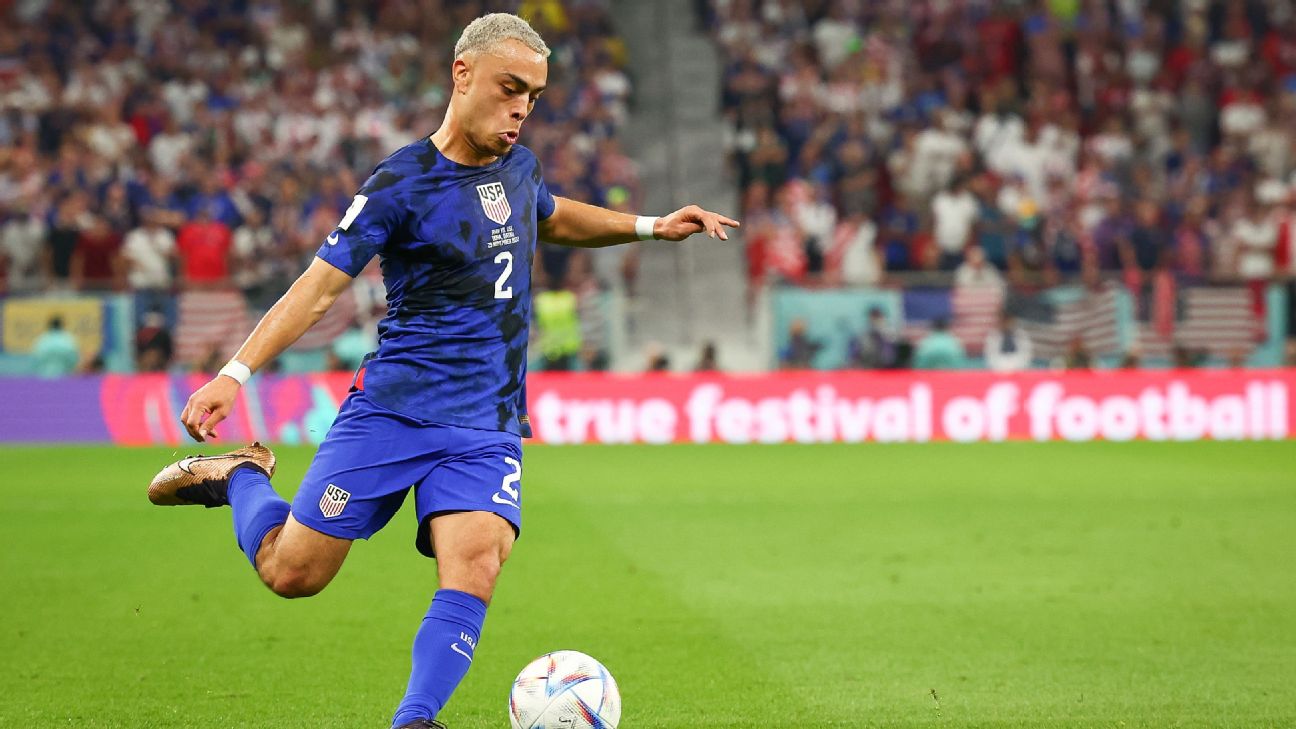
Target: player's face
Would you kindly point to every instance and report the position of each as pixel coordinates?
(499, 88)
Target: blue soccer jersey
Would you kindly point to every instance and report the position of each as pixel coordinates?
(455, 243)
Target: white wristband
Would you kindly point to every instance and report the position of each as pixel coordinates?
(237, 371)
(644, 225)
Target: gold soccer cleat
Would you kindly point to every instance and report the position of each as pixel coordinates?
(204, 480)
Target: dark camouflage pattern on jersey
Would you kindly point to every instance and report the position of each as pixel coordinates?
(453, 346)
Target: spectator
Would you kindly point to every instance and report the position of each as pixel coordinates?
(1143, 253)
(115, 208)
(954, 212)
(658, 360)
(1008, 346)
(61, 240)
(1183, 357)
(22, 238)
(993, 228)
(589, 310)
(1131, 359)
(54, 353)
(877, 347)
(260, 270)
(558, 328)
(96, 263)
(1255, 234)
(204, 246)
(974, 271)
(1077, 356)
(939, 350)
(936, 157)
(814, 218)
(153, 346)
(854, 259)
(1111, 233)
(1194, 238)
(709, 359)
(149, 253)
(899, 229)
(800, 350)
(211, 362)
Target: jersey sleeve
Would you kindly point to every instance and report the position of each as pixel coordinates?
(376, 212)
(545, 204)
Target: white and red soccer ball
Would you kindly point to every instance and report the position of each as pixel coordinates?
(564, 690)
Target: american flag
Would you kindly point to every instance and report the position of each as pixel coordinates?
(333, 501)
(976, 311)
(222, 318)
(1052, 319)
(211, 318)
(494, 202)
(1217, 319)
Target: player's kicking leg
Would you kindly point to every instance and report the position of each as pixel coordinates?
(292, 559)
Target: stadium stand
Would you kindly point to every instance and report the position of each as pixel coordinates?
(1089, 143)
(243, 128)
(1118, 176)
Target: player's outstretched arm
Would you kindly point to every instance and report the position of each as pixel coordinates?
(588, 226)
(296, 311)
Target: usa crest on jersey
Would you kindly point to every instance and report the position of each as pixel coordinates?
(494, 203)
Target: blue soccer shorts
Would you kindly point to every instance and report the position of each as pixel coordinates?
(373, 456)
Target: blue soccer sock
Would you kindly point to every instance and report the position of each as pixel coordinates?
(443, 651)
(257, 508)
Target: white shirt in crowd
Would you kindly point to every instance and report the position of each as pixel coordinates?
(859, 263)
(936, 156)
(1256, 241)
(148, 254)
(816, 220)
(832, 39)
(953, 215)
(972, 275)
(111, 141)
(21, 240)
(166, 151)
(1027, 160)
(1242, 119)
(993, 133)
(255, 246)
(1004, 353)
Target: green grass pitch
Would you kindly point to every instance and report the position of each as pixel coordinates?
(1012, 585)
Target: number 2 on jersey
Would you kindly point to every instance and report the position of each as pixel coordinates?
(502, 291)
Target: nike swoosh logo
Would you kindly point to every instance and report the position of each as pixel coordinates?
(332, 239)
(186, 462)
(501, 500)
(455, 647)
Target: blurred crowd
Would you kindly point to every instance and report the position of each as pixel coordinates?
(1014, 142)
(156, 146)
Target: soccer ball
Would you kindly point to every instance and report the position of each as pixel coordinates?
(564, 690)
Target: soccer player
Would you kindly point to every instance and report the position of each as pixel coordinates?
(441, 406)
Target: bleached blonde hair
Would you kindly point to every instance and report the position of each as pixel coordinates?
(483, 33)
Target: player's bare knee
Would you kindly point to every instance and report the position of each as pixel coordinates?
(475, 575)
(294, 581)
(484, 569)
